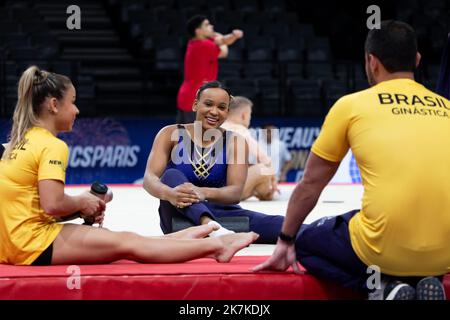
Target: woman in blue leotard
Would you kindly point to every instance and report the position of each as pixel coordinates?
(198, 170)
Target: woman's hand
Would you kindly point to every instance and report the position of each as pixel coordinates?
(183, 195)
(99, 218)
(198, 191)
(92, 205)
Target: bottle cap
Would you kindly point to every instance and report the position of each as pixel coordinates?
(99, 188)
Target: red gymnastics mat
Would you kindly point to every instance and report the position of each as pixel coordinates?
(202, 279)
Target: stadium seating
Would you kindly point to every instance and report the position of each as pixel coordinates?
(130, 51)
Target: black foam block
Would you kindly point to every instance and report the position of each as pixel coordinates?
(236, 224)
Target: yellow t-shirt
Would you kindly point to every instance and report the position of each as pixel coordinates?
(398, 132)
(25, 229)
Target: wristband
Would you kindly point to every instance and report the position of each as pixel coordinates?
(285, 238)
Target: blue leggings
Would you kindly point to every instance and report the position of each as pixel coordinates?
(267, 226)
(324, 249)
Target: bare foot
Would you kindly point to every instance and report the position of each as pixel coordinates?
(232, 243)
(265, 197)
(197, 232)
(266, 194)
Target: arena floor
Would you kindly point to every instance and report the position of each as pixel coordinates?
(133, 209)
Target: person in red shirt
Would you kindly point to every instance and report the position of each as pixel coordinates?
(201, 64)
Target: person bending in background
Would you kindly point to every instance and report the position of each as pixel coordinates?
(198, 170)
(261, 179)
(32, 197)
(201, 63)
(277, 150)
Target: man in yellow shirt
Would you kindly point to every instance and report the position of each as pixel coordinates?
(395, 130)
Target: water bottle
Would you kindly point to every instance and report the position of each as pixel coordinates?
(100, 190)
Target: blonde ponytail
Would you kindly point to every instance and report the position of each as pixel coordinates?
(24, 117)
(34, 86)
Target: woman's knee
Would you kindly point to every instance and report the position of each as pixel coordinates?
(173, 177)
(127, 242)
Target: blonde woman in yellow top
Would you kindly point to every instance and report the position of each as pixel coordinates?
(32, 197)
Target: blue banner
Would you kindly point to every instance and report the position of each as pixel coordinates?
(116, 150)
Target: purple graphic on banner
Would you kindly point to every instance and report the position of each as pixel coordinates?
(99, 149)
(103, 131)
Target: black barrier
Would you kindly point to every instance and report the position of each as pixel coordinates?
(236, 224)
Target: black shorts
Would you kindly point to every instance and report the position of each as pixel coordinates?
(45, 259)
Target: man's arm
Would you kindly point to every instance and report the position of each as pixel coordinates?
(228, 39)
(255, 150)
(223, 41)
(223, 51)
(318, 173)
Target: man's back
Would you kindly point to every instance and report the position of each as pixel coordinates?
(397, 131)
